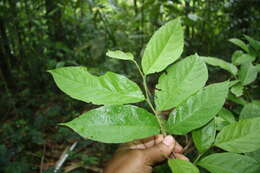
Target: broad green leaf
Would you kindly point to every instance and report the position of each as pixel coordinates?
(239, 43)
(243, 58)
(182, 80)
(221, 63)
(247, 73)
(233, 82)
(108, 89)
(182, 166)
(118, 54)
(229, 163)
(255, 155)
(237, 90)
(224, 118)
(254, 43)
(164, 48)
(204, 137)
(240, 137)
(198, 110)
(115, 124)
(250, 110)
(238, 100)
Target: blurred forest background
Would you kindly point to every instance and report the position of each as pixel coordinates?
(38, 35)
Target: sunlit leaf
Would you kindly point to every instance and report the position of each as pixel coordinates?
(115, 124)
(240, 137)
(108, 89)
(118, 54)
(229, 163)
(243, 58)
(165, 47)
(239, 43)
(204, 137)
(179, 82)
(221, 63)
(247, 73)
(254, 43)
(182, 166)
(237, 90)
(198, 110)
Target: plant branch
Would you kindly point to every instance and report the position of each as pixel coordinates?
(198, 158)
(148, 100)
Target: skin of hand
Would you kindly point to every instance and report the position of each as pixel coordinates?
(139, 156)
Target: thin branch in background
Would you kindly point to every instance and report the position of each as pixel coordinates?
(64, 156)
(42, 158)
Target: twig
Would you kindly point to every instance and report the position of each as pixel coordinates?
(64, 156)
(42, 158)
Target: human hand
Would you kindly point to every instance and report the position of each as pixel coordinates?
(139, 156)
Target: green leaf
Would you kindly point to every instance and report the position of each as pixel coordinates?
(165, 47)
(239, 43)
(108, 89)
(247, 73)
(204, 137)
(120, 55)
(115, 124)
(198, 110)
(240, 137)
(224, 118)
(221, 63)
(235, 55)
(257, 67)
(254, 43)
(255, 155)
(182, 166)
(250, 110)
(243, 58)
(182, 80)
(237, 90)
(233, 82)
(229, 163)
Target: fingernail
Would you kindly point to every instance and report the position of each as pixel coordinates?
(168, 140)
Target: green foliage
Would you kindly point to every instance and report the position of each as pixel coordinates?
(182, 166)
(240, 137)
(198, 110)
(224, 118)
(180, 81)
(110, 88)
(165, 47)
(250, 110)
(229, 163)
(115, 124)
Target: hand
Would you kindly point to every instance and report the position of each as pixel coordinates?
(139, 156)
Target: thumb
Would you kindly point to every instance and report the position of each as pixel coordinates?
(161, 151)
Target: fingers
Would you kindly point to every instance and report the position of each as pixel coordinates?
(181, 157)
(160, 151)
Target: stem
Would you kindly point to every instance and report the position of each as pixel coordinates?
(148, 100)
(198, 157)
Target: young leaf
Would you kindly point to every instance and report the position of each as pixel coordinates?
(198, 110)
(165, 47)
(115, 124)
(108, 89)
(204, 137)
(250, 110)
(238, 100)
(240, 137)
(237, 90)
(224, 118)
(239, 43)
(182, 166)
(243, 58)
(235, 55)
(221, 63)
(233, 82)
(229, 163)
(182, 80)
(120, 55)
(247, 73)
